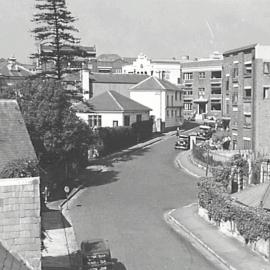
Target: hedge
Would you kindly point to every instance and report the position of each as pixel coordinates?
(253, 223)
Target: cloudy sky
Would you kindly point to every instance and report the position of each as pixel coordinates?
(158, 28)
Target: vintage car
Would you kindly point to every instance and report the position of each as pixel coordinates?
(204, 133)
(183, 142)
(95, 255)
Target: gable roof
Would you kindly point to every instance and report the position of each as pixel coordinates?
(244, 48)
(15, 142)
(109, 101)
(117, 78)
(153, 83)
(16, 69)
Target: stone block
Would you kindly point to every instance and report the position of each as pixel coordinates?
(29, 187)
(12, 228)
(25, 234)
(10, 220)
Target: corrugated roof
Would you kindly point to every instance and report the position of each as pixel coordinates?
(15, 142)
(117, 78)
(244, 48)
(153, 83)
(109, 101)
(255, 196)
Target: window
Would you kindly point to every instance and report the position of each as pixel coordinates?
(227, 107)
(178, 80)
(247, 121)
(126, 120)
(216, 75)
(172, 113)
(188, 93)
(187, 106)
(216, 89)
(172, 100)
(201, 92)
(266, 92)
(266, 67)
(247, 68)
(138, 117)
(188, 76)
(115, 123)
(247, 93)
(227, 84)
(175, 96)
(247, 143)
(168, 100)
(215, 105)
(94, 120)
(235, 98)
(201, 75)
(168, 113)
(235, 70)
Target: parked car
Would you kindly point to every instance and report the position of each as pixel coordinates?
(204, 133)
(183, 142)
(95, 255)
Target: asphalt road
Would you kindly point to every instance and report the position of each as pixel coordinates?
(126, 203)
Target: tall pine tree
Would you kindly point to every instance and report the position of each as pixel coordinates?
(54, 28)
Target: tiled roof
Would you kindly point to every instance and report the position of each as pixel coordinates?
(15, 142)
(110, 101)
(244, 48)
(18, 70)
(255, 196)
(117, 78)
(152, 83)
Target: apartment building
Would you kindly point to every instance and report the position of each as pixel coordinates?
(202, 83)
(246, 95)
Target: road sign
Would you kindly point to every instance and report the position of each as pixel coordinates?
(66, 189)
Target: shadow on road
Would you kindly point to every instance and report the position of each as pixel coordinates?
(101, 172)
(53, 219)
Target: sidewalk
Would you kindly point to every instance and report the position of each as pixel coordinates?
(230, 253)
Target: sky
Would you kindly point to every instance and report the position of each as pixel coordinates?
(157, 28)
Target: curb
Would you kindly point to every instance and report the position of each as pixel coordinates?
(179, 164)
(169, 219)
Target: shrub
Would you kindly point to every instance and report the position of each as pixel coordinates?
(143, 129)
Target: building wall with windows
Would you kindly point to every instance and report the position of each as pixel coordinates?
(113, 119)
(202, 81)
(246, 80)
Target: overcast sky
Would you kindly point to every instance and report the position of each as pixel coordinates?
(158, 28)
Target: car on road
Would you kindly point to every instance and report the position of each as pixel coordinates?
(204, 133)
(95, 255)
(183, 142)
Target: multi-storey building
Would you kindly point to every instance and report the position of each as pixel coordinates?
(246, 95)
(168, 69)
(202, 82)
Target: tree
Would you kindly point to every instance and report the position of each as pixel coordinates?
(59, 137)
(55, 29)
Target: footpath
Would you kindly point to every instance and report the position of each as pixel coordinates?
(218, 247)
(61, 251)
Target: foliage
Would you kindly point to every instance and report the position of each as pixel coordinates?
(143, 129)
(58, 135)
(252, 223)
(222, 175)
(18, 168)
(54, 27)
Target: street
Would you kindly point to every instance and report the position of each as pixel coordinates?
(125, 205)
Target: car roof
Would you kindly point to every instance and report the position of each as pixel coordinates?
(94, 246)
(205, 127)
(183, 136)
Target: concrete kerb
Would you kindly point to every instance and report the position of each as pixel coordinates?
(177, 226)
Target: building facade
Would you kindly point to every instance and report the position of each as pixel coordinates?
(164, 98)
(168, 69)
(246, 95)
(202, 85)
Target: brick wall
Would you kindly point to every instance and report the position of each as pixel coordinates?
(20, 218)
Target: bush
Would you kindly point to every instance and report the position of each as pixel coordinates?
(252, 223)
(20, 168)
(143, 129)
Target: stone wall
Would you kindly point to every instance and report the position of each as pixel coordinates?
(20, 218)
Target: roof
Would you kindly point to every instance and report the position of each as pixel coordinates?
(153, 83)
(202, 63)
(11, 68)
(15, 142)
(49, 48)
(108, 57)
(255, 196)
(109, 101)
(244, 48)
(71, 77)
(117, 78)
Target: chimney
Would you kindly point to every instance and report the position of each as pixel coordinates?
(85, 83)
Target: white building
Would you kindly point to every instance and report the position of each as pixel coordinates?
(163, 97)
(111, 109)
(168, 69)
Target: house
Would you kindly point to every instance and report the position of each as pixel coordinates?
(19, 197)
(246, 96)
(12, 72)
(168, 69)
(163, 97)
(94, 84)
(111, 109)
(202, 80)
